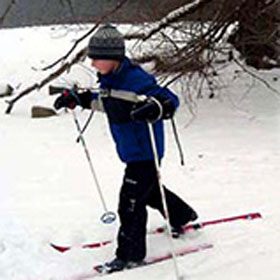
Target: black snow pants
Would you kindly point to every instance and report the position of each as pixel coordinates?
(140, 188)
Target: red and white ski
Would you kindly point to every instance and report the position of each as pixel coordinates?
(159, 230)
(99, 270)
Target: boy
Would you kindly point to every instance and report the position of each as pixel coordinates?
(128, 125)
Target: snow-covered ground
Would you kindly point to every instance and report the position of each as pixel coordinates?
(47, 193)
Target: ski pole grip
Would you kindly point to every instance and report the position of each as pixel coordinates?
(56, 90)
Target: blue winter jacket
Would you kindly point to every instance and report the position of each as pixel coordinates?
(132, 138)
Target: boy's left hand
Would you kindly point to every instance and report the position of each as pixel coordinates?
(152, 110)
(149, 110)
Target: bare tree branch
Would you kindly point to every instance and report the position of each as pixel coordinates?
(98, 22)
(65, 67)
(172, 17)
(245, 69)
(188, 49)
(6, 12)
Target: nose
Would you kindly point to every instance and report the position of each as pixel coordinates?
(92, 62)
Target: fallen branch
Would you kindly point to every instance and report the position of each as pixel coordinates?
(172, 17)
(65, 67)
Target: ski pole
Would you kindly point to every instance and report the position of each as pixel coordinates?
(108, 217)
(177, 140)
(164, 203)
(82, 130)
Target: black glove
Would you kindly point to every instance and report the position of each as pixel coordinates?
(168, 108)
(70, 99)
(149, 110)
(153, 109)
(66, 100)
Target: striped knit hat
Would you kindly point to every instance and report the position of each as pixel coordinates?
(106, 43)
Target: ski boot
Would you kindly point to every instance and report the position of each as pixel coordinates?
(176, 232)
(118, 265)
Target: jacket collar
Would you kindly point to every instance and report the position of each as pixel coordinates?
(108, 80)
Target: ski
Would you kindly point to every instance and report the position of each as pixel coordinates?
(100, 270)
(159, 230)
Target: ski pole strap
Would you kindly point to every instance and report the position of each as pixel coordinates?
(72, 92)
(177, 140)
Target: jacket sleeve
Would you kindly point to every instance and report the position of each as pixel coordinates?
(163, 94)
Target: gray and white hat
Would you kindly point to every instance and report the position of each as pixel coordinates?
(106, 43)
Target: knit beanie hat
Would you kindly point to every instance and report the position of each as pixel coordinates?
(106, 43)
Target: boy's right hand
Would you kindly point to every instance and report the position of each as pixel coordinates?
(66, 100)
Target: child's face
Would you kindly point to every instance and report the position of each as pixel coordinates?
(104, 66)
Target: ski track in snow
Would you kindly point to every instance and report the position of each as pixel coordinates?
(47, 193)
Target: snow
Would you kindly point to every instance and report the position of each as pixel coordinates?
(47, 192)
